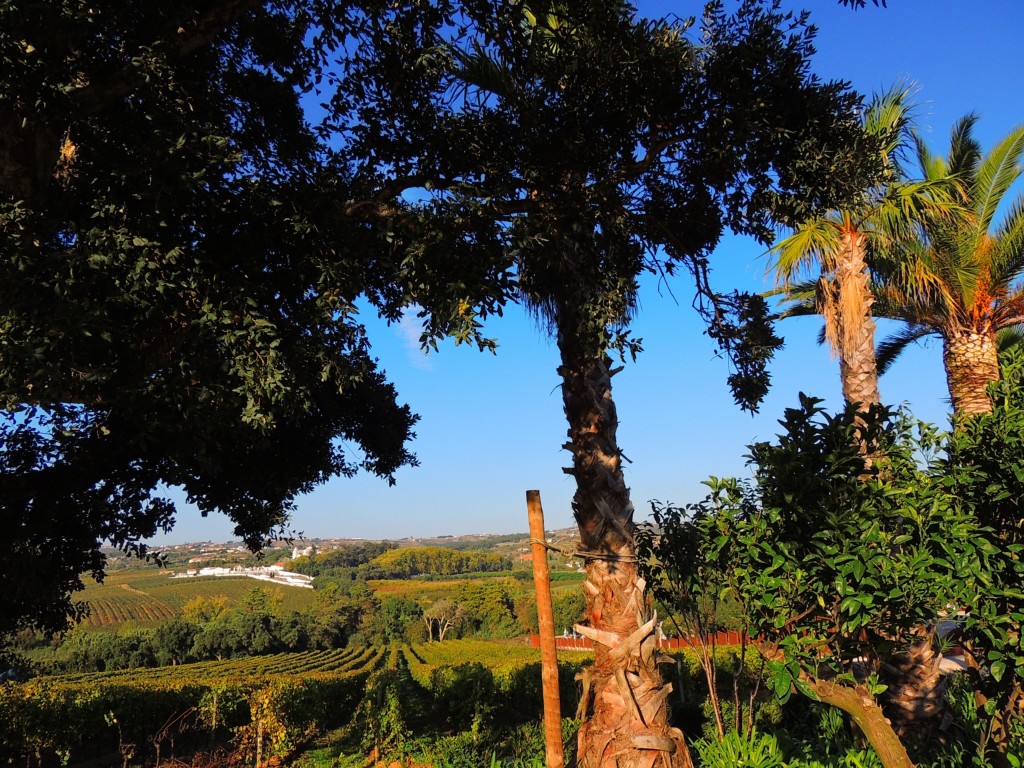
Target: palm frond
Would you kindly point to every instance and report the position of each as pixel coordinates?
(962, 275)
(1009, 310)
(893, 304)
(485, 71)
(908, 284)
(813, 243)
(797, 299)
(1007, 261)
(894, 346)
(888, 117)
(908, 206)
(1008, 339)
(995, 174)
(932, 166)
(964, 149)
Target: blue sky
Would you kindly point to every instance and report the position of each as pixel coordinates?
(491, 425)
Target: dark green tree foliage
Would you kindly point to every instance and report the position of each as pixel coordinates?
(489, 607)
(332, 620)
(838, 566)
(689, 578)
(173, 640)
(567, 143)
(340, 559)
(573, 145)
(986, 465)
(174, 309)
(105, 651)
(568, 606)
(252, 629)
(885, 547)
(389, 619)
(405, 562)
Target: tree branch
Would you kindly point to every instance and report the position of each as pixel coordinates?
(644, 164)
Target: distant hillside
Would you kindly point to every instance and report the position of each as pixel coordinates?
(234, 552)
(149, 597)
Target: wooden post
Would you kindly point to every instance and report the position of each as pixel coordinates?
(546, 622)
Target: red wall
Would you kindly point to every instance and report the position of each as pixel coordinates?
(582, 644)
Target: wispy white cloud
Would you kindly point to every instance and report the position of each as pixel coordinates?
(409, 330)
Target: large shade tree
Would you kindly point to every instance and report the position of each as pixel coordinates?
(962, 279)
(172, 312)
(574, 144)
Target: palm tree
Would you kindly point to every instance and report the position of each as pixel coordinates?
(962, 279)
(839, 245)
(580, 280)
(582, 288)
(563, 147)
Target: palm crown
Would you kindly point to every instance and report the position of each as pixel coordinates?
(840, 244)
(961, 278)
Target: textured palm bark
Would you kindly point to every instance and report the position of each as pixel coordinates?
(915, 699)
(1002, 725)
(971, 364)
(856, 335)
(625, 701)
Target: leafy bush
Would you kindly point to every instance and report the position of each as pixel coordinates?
(837, 557)
(463, 694)
(985, 468)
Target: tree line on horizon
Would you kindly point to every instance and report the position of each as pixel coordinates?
(386, 560)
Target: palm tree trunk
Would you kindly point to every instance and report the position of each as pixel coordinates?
(971, 365)
(856, 336)
(625, 700)
(915, 697)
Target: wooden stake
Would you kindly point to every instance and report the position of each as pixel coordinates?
(546, 621)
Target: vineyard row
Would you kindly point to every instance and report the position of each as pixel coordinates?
(265, 706)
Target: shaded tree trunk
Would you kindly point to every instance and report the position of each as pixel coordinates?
(972, 363)
(625, 700)
(998, 741)
(915, 699)
(855, 333)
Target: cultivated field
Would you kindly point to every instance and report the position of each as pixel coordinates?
(266, 706)
(148, 597)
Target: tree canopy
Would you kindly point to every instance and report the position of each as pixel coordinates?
(176, 288)
(838, 563)
(960, 277)
(182, 252)
(575, 146)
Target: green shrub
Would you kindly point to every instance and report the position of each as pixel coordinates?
(463, 694)
(756, 751)
(460, 751)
